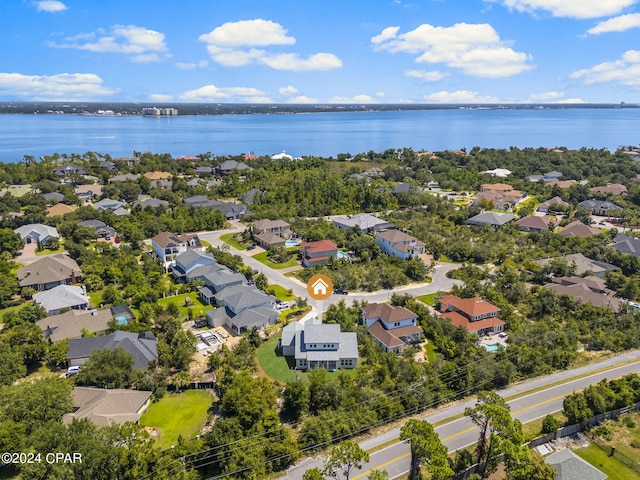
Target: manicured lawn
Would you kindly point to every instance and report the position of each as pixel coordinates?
(229, 239)
(429, 299)
(276, 367)
(46, 251)
(95, 298)
(177, 414)
(197, 306)
(281, 293)
(262, 258)
(532, 429)
(430, 351)
(608, 465)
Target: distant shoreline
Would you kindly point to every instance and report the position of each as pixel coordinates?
(108, 109)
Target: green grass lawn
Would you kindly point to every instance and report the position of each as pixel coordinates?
(608, 465)
(177, 414)
(197, 305)
(281, 293)
(229, 239)
(429, 299)
(262, 258)
(430, 351)
(276, 367)
(47, 251)
(95, 298)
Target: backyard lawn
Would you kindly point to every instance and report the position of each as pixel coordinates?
(429, 299)
(281, 293)
(197, 305)
(177, 414)
(262, 258)
(276, 367)
(608, 465)
(430, 351)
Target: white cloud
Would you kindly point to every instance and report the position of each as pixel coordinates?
(460, 96)
(192, 65)
(211, 92)
(142, 44)
(476, 49)
(544, 97)
(616, 24)
(288, 90)
(51, 6)
(234, 44)
(248, 33)
(60, 87)
(302, 99)
(624, 71)
(292, 61)
(387, 34)
(354, 99)
(570, 8)
(433, 76)
(380, 94)
(263, 99)
(159, 97)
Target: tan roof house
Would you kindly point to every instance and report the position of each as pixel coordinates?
(399, 244)
(158, 175)
(49, 272)
(613, 189)
(496, 187)
(72, 323)
(107, 406)
(591, 290)
(579, 229)
(59, 209)
(533, 223)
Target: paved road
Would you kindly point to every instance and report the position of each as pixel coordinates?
(461, 433)
(440, 282)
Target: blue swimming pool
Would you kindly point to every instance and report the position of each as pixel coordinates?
(291, 243)
(494, 347)
(121, 320)
(342, 255)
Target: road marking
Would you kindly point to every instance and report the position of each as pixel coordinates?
(381, 466)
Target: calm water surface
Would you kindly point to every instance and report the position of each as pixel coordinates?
(321, 134)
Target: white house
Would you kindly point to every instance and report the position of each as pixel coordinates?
(62, 297)
(37, 232)
(167, 245)
(399, 244)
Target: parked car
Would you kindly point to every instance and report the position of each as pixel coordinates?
(251, 247)
(71, 371)
(282, 305)
(341, 291)
(116, 240)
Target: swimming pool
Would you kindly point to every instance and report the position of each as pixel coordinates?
(291, 243)
(342, 255)
(493, 347)
(121, 320)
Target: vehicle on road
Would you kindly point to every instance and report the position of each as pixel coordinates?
(341, 291)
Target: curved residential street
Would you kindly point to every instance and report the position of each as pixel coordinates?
(439, 282)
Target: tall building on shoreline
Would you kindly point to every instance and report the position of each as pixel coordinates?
(159, 112)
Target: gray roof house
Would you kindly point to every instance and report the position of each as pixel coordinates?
(100, 229)
(151, 203)
(319, 346)
(243, 307)
(54, 196)
(49, 272)
(627, 244)
(62, 297)
(600, 207)
(571, 467)
(200, 201)
(125, 177)
(584, 265)
(188, 262)
(228, 166)
(107, 204)
(35, 232)
(549, 205)
(490, 219)
(71, 324)
(232, 211)
(143, 347)
(366, 222)
(104, 406)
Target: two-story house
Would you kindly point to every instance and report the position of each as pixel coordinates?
(271, 233)
(318, 253)
(319, 346)
(192, 264)
(392, 327)
(243, 307)
(399, 244)
(167, 245)
(474, 314)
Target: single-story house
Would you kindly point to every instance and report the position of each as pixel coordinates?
(108, 204)
(104, 406)
(366, 222)
(59, 209)
(53, 197)
(490, 219)
(100, 229)
(571, 467)
(152, 202)
(37, 232)
(552, 204)
(613, 189)
(533, 223)
(399, 244)
(601, 207)
(71, 324)
(142, 346)
(591, 290)
(87, 193)
(627, 244)
(49, 272)
(579, 229)
(62, 297)
(319, 346)
(583, 265)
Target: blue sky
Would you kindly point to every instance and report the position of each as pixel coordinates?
(329, 51)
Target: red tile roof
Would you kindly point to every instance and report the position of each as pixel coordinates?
(391, 338)
(471, 306)
(388, 313)
(319, 246)
(459, 321)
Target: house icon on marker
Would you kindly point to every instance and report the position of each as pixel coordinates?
(319, 287)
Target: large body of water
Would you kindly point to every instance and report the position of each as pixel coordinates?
(319, 134)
